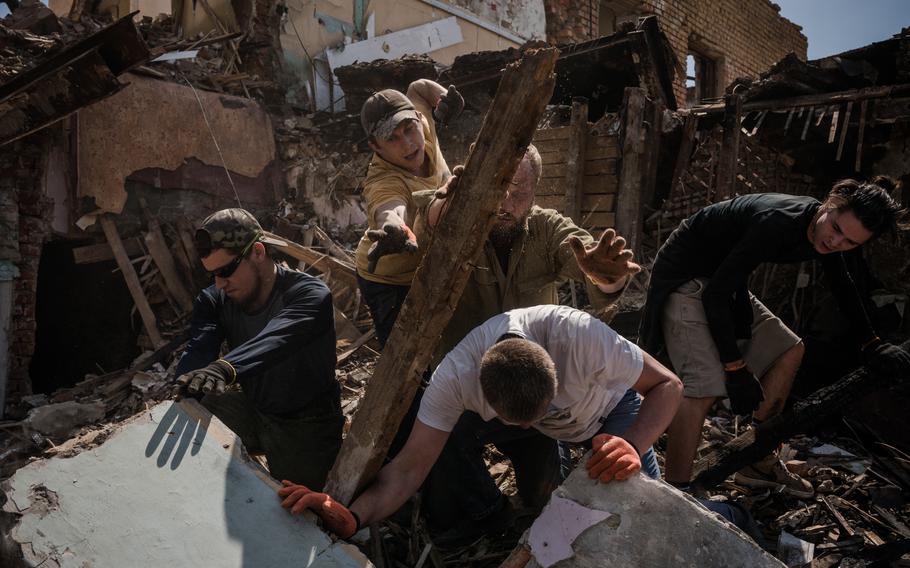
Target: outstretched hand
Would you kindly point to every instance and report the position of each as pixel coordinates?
(390, 239)
(606, 262)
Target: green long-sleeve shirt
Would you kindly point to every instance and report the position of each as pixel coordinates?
(540, 261)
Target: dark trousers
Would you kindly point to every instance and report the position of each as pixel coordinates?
(459, 485)
(384, 301)
(300, 447)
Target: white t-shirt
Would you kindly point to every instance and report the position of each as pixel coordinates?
(595, 367)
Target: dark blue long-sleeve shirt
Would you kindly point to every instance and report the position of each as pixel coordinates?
(284, 353)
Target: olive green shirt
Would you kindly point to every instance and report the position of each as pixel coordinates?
(540, 261)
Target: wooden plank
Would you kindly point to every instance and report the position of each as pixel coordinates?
(131, 278)
(321, 262)
(812, 100)
(805, 415)
(589, 202)
(628, 199)
(591, 154)
(548, 158)
(729, 148)
(843, 132)
(592, 184)
(524, 90)
(353, 347)
(684, 156)
(576, 165)
(102, 251)
(863, 108)
(592, 167)
(559, 133)
(596, 146)
(164, 260)
(159, 252)
(601, 219)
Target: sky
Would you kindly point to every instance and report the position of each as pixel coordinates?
(832, 26)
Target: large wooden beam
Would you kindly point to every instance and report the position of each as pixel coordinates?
(756, 443)
(575, 158)
(631, 174)
(507, 130)
(729, 148)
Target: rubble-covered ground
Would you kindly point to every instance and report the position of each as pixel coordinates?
(858, 517)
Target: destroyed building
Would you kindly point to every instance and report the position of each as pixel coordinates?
(256, 103)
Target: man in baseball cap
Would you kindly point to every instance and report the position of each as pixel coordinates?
(275, 387)
(401, 130)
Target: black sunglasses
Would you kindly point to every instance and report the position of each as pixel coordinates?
(228, 269)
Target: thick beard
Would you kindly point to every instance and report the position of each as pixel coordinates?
(503, 236)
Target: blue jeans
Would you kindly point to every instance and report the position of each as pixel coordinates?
(459, 485)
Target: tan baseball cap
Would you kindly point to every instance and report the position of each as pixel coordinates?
(384, 111)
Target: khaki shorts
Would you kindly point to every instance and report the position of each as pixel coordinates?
(691, 347)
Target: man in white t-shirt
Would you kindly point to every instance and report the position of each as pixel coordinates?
(546, 370)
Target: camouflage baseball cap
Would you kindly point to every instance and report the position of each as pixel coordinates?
(231, 229)
(384, 111)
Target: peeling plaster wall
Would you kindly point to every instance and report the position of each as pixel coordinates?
(158, 124)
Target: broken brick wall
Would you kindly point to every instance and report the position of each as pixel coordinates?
(570, 21)
(741, 37)
(25, 220)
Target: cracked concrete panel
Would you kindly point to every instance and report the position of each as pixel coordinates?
(645, 523)
(171, 487)
(158, 124)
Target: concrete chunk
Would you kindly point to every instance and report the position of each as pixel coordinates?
(647, 523)
(170, 487)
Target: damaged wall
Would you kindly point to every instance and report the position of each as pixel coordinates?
(742, 38)
(159, 128)
(25, 224)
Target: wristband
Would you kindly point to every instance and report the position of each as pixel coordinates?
(634, 447)
(233, 371)
(875, 339)
(730, 367)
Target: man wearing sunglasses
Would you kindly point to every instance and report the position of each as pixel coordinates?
(280, 333)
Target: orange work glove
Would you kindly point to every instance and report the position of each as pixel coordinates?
(335, 516)
(613, 458)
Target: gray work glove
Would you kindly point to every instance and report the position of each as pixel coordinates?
(214, 377)
(390, 239)
(744, 391)
(449, 106)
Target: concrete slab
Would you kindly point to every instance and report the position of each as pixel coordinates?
(170, 487)
(637, 522)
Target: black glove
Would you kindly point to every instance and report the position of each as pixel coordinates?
(889, 359)
(744, 391)
(216, 376)
(389, 239)
(449, 106)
